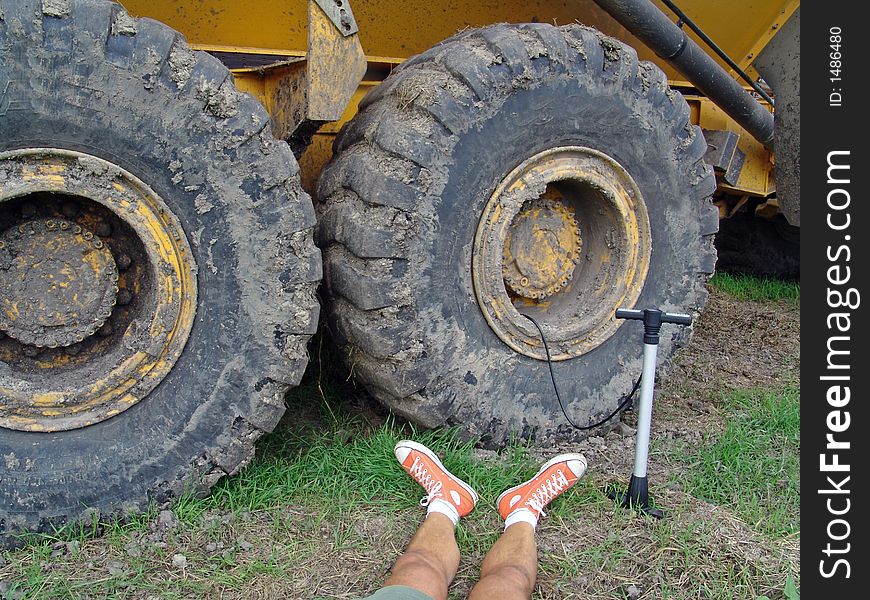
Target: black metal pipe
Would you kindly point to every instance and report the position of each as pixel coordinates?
(656, 30)
(715, 48)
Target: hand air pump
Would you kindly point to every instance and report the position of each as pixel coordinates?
(637, 495)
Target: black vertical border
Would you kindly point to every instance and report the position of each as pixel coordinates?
(824, 129)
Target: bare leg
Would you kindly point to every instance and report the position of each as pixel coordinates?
(430, 561)
(510, 568)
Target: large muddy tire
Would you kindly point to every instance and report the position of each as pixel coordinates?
(414, 202)
(157, 263)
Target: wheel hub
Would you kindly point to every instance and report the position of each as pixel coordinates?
(542, 249)
(61, 283)
(565, 239)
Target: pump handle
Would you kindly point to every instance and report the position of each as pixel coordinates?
(664, 317)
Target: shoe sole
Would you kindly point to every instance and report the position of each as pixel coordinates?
(429, 454)
(547, 465)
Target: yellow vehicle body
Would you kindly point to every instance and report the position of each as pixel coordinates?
(276, 37)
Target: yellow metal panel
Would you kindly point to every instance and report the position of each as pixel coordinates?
(279, 26)
(317, 154)
(320, 87)
(316, 87)
(756, 178)
(402, 28)
(336, 65)
(392, 30)
(765, 32)
(252, 83)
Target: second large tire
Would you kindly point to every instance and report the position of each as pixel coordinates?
(411, 177)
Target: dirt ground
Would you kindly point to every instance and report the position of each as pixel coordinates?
(602, 553)
(735, 345)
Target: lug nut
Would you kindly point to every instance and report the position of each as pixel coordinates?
(124, 262)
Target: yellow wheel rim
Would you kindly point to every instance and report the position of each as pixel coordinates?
(565, 239)
(70, 359)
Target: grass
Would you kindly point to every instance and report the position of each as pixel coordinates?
(326, 509)
(316, 479)
(746, 287)
(753, 466)
(311, 487)
(348, 466)
(306, 483)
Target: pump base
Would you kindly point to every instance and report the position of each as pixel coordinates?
(637, 497)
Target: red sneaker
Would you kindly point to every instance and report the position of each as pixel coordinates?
(557, 475)
(440, 485)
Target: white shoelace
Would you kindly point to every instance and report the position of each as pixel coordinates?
(551, 487)
(430, 484)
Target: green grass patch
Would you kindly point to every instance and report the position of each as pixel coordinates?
(753, 466)
(339, 468)
(311, 480)
(746, 287)
(332, 459)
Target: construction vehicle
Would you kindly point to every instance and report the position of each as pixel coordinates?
(160, 253)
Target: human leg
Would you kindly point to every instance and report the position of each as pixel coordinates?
(430, 561)
(509, 570)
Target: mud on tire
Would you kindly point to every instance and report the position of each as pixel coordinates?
(402, 198)
(83, 76)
